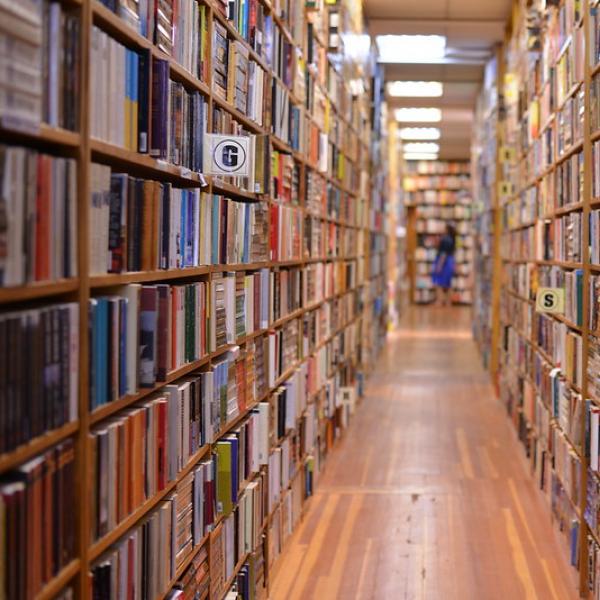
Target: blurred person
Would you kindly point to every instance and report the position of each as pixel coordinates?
(444, 266)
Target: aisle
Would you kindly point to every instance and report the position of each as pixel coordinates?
(427, 495)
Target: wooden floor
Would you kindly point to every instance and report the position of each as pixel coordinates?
(427, 495)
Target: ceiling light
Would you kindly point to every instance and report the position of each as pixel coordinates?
(420, 156)
(419, 133)
(418, 115)
(425, 147)
(410, 48)
(415, 89)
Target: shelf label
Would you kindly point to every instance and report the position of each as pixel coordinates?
(550, 300)
(507, 154)
(227, 155)
(505, 189)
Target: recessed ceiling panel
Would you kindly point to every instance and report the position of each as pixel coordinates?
(407, 8)
(478, 9)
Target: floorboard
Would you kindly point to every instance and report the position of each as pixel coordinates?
(427, 495)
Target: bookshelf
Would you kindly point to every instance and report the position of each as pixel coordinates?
(541, 230)
(185, 349)
(486, 215)
(438, 193)
(541, 244)
(398, 280)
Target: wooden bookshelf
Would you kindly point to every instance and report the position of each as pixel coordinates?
(533, 145)
(429, 210)
(362, 214)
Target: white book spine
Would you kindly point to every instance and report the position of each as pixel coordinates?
(595, 423)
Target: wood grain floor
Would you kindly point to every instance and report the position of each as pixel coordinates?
(427, 495)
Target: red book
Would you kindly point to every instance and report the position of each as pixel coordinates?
(48, 515)
(209, 498)
(43, 218)
(274, 237)
(252, 23)
(126, 467)
(163, 342)
(122, 482)
(240, 378)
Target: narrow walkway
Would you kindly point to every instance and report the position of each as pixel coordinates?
(427, 496)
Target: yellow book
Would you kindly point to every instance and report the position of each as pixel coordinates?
(128, 98)
(135, 65)
(224, 500)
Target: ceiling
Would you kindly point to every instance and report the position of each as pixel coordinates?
(472, 28)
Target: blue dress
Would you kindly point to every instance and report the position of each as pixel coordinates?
(443, 268)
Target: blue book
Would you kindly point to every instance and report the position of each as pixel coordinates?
(246, 18)
(574, 542)
(268, 43)
(135, 72)
(123, 306)
(102, 353)
(93, 329)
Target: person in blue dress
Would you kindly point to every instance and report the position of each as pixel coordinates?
(443, 268)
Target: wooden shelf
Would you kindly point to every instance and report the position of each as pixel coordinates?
(58, 583)
(36, 290)
(112, 279)
(227, 188)
(44, 134)
(109, 409)
(38, 445)
(115, 155)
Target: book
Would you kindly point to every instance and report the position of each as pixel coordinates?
(143, 560)
(40, 224)
(116, 80)
(36, 501)
(22, 76)
(47, 340)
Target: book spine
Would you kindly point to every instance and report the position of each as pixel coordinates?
(148, 335)
(143, 95)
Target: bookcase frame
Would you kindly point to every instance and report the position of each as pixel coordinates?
(412, 210)
(81, 146)
(499, 282)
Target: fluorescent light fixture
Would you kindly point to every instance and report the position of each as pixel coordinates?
(420, 156)
(357, 46)
(415, 89)
(419, 133)
(424, 147)
(418, 115)
(410, 48)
